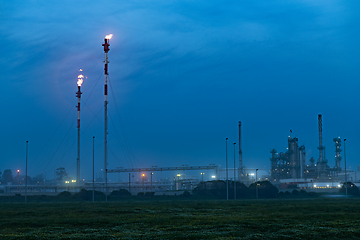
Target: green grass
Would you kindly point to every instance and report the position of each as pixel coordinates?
(243, 219)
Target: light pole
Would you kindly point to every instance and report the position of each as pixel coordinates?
(143, 178)
(257, 193)
(26, 160)
(345, 168)
(93, 195)
(234, 174)
(227, 172)
(18, 173)
(151, 181)
(178, 175)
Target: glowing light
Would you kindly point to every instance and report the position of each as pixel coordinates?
(315, 186)
(213, 176)
(339, 185)
(73, 180)
(252, 174)
(80, 70)
(18, 170)
(108, 36)
(80, 80)
(143, 175)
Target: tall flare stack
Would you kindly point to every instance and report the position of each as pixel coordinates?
(106, 50)
(78, 95)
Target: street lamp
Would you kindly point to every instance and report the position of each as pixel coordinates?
(178, 175)
(227, 172)
(26, 162)
(143, 178)
(18, 173)
(234, 174)
(202, 177)
(257, 193)
(345, 168)
(151, 181)
(93, 182)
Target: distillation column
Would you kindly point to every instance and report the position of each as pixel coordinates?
(337, 144)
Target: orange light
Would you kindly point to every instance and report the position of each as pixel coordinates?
(18, 170)
(143, 175)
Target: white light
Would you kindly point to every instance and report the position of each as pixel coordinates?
(327, 185)
(339, 185)
(252, 174)
(213, 176)
(314, 185)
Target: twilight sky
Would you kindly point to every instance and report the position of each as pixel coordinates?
(182, 74)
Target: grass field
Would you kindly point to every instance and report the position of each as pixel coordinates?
(243, 219)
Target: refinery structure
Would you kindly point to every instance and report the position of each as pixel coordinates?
(289, 168)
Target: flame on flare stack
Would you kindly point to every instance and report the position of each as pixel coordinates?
(80, 79)
(108, 36)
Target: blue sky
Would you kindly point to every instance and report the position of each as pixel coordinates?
(182, 74)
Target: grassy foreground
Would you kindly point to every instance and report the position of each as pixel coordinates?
(243, 219)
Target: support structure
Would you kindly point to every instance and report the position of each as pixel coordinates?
(78, 95)
(106, 46)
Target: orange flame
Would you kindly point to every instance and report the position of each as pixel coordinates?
(108, 36)
(80, 80)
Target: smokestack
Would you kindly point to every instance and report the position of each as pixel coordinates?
(321, 148)
(106, 50)
(78, 95)
(240, 152)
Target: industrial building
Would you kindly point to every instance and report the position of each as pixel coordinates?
(290, 166)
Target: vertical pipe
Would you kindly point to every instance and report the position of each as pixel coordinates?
(227, 173)
(234, 174)
(26, 161)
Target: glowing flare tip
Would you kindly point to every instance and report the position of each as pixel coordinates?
(108, 36)
(80, 80)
